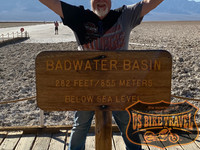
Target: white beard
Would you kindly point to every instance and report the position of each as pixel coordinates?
(101, 12)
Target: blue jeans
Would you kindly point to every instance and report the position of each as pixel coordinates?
(82, 125)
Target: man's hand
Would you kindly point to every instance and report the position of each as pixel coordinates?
(54, 5)
(149, 5)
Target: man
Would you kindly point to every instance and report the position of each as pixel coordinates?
(100, 29)
(56, 27)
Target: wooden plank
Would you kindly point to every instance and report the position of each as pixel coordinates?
(67, 139)
(26, 142)
(157, 146)
(42, 142)
(2, 136)
(118, 142)
(103, 130)
(193, 136)
(69, 80)
(47, 129)
(197, 141)
(154, 148)
(58, 141)
(144, 147)
(192, 145)
(177, 147)
(90, 142)
(37, 129)
(11, 140)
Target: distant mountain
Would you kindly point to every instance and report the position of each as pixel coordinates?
(179, 7)
(33, 10)
(171, 10)
(25, 10)
(176, 10)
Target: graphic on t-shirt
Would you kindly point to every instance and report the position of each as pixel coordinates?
(113, 39)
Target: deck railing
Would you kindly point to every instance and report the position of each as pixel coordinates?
(13, 35)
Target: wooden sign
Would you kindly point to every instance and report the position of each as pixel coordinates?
(85, 80)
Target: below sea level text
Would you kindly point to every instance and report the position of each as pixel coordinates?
(101, 99)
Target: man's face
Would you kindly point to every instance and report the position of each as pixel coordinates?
(101, 7)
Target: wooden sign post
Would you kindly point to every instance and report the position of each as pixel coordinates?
(102, 82)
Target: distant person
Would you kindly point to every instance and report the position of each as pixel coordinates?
(56, 27)
(101, 29)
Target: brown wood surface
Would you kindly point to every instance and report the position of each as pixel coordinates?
(103, 130)
(118, 142)
(176, 147)
(42, 142)
(11, 141)
(90, 142)
(2, 135)
(113, 79)
(58, 141)
(192, 145)
(197, 142)
(44, 129)
(26, 142)
(19, 140)
(144, 146)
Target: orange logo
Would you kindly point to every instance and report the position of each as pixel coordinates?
(162, 124)
(164, 135)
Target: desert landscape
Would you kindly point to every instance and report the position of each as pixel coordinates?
(17, 67)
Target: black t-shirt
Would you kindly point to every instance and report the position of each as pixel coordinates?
(86, 24)
(110, 33)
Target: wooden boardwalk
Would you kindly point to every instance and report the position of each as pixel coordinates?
(53, 139)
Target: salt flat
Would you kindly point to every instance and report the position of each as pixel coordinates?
(43, 33)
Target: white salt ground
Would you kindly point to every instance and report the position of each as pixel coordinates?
(44, 33)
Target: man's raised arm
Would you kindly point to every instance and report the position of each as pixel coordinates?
(149, 5)
(54, 5)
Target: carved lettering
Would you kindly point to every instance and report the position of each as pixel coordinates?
(103, 65)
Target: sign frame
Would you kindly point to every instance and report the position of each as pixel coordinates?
(118, 79)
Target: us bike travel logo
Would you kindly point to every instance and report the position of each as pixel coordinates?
(162, 124)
